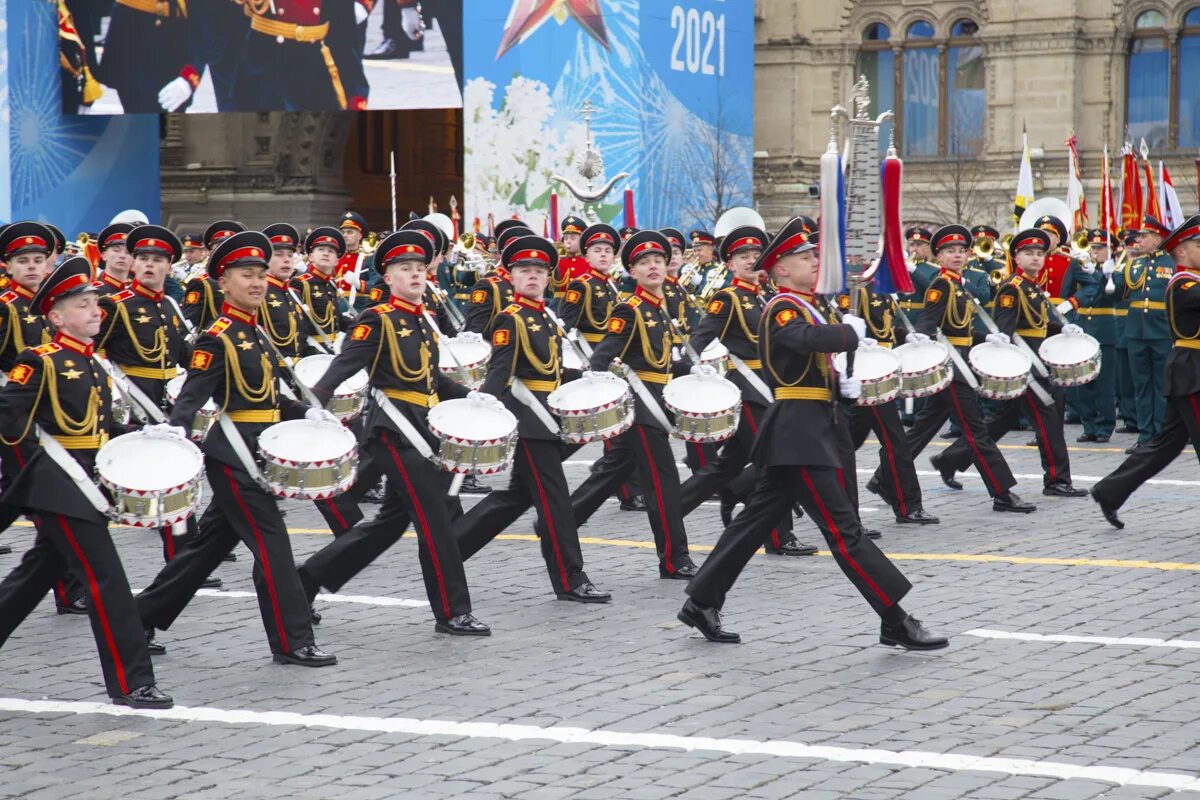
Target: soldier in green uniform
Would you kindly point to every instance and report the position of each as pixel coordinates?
(923, 271)
(1097, 316)
(1126, 409)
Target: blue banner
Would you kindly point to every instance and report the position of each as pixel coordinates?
(672, 85)
(76, 172)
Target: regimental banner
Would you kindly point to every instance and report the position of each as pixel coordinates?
(74, 172)
(672, 85)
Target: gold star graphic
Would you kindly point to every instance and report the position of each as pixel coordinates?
(274, 302)
(533, 326)
(72, 374)
(246, 345)
(403, 332)
(29, 319)
(142, 320)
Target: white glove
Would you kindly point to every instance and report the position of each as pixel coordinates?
(913, 336)
(676, 356)
(911, 266)
(168, 429)
(587, 373)
(1065, 307)
(410, 20)
(469, 336)
(856, 322)
(360, 14)
(1088, 267)
(868, 343)
(694, 280)
(1072, 330)
(998, 338)
(707, 370)
(1108, 268)
(174, 94)
(321, 415)
(850, 387)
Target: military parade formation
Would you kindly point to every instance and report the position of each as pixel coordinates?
(344, 366)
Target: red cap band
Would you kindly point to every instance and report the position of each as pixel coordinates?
(63, 287)
(328, 240)
(240, 253)
(530, 255)
(26, 241)
(1031, 241)
(646, 247)
(404, 249)
(283, 240)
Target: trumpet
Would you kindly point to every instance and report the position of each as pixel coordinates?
(716, 279)
(984, 247)
(369, 244)
(465, 243)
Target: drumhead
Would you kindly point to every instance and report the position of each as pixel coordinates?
(870, 363)
(306, 441)
(149, 462)
(586, 393)
(471, 420)
(1069, 348)
(310, 369)
(468, 353)
(999, 360)
(921, 356)
(702, 394)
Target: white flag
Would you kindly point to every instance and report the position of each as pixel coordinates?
(1168, 200)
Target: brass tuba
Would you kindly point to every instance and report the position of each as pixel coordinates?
(984, 247)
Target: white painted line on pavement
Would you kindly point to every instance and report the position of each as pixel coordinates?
(361, 599)
(608, 738)
(1037, 476)
(1132, 641)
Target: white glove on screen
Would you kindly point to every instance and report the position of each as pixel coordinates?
(360, 13)
(1065, 307)
(174, 94)
(706, 370)
(868, 343)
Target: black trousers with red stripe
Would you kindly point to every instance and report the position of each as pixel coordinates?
(818, 489)
(538, 481)
(239, 510)
(960, 401)
(1047, 422)
(1181, 425)
(417, 492)
(85, 548)
(647, 448)
(898, 484)
(632, 485)
(172, 543)
(723, 472)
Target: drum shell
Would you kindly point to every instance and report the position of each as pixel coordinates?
(993, 385)
(920, 376)
(310, 479)
(152, 508)
(347, 404)
(1071, 371)
(876, 391)
(609, 417)
(465, 455)
(703, 426)
(475, 366)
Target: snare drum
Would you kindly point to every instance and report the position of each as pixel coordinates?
(204, 418)
(706, 407)
(348, 399)
(307, 459)
(1072, 359)
(154, 478)
(593, 408)
(716, 355)
(925, 368)
(1003, 370)
(471, 354)
(476, 438)
(879, 371)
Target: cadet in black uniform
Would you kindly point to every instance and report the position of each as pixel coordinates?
(60, 388)
(526, 347)
(1181, 382)
(235, 367)
(115, 259)
(946, 308)
(280, 317)
(202, 299)
(1022, 309)
(398, 348)
(318, 292)
(639, 334)
(797, 451)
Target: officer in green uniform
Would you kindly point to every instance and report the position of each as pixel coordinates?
(1097, 316)
(1126, 410)
(923, 271)
(1148, 337)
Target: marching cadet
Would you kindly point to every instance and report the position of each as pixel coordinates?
(797, 454)
(526, 348)
(398, 348)
(494, 293)
(145, 338)
(202, 300)
(1181, 381)
(639, 335)
(946, 309)
(26, 247)
(1143, 283)
(59, 387)
(318, 293)
(897, 485)
(431, 301)
(354, 266)
(1022, 309)
(151, 56)
(732, 319)
(234, 367)
(1062, 277)
(115, 257)
(280, 317)
(1097, 317)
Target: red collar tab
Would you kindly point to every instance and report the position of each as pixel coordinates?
(536, 305)
(806, 295)
(749, 287)
(71, 343)
(649, 297)
(150, 294)
(595, 273)
(408, 308)
(111, 281)
(234, 312)
(673, 280)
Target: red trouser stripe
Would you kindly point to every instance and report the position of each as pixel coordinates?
(966, 429)
(841, 543)
(428, 534)
(749, 415)
(168, 541)
(537, 481)
(1043, 439)
(662, 512)
(336, 514)
(891, 457)
(262, 557)
(699, 450)
(97, 603)
(1195, 408)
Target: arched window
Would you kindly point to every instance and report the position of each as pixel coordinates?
(965, 90)
(1189, 90)
(1149, 80)
(877, 62)
(922, 90)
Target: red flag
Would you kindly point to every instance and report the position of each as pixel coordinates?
(892, 275)
(554, 214)
(1150, 208)
(1131, 191)
(630, 217)
(1075, 184)
(1108, 216)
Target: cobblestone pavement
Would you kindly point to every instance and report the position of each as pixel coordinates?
(622, 701)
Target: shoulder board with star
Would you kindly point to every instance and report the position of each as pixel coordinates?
(218, 327)
(121, 296)
(8, 297)
(46, 349)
